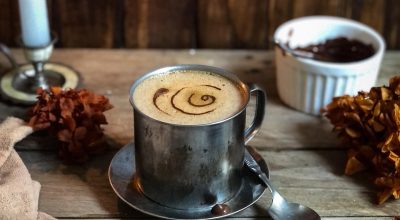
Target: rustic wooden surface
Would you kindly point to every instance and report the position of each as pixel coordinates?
(192, 24)
(305, 158)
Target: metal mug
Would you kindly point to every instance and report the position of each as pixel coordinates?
(193, 166)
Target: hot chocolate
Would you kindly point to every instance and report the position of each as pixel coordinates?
(188, 97)
(339, 50)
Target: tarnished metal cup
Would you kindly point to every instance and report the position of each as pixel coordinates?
(193, 166)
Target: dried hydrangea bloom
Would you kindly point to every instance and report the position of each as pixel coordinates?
(369, 123)
(74, 117)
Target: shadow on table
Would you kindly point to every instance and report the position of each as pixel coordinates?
(94, 174)
(127, 211)
(335, 157)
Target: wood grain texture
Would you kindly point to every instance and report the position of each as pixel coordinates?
(247, 24)
(160, 24)
(314, 178)
(9, 22)
(319, 7)
(84, 23)
(232, 24)
(279, 11)
(215, 21)
(111, 73)
(367, 12)
(391, 25)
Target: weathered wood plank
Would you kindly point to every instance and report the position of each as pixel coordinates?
(232, 24)
(160, 24)
(214, 19)
(164, 24)
(85, 23)
(9, 22)
(319, 7)
(249, 23)
(365, 11)
(391, 30)
(293, 129)
(313, 178)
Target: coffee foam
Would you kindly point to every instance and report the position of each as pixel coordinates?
(188, 97)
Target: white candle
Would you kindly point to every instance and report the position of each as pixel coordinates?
(34, 23)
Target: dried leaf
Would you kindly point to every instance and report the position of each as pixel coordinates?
(74, 117)
(369, 123)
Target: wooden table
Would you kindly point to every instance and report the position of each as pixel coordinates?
(305, 158)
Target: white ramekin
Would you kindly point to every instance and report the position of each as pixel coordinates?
(308, 85)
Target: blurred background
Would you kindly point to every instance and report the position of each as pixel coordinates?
(230, 24)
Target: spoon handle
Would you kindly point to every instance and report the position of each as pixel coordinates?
(254, 167)
(293, 52)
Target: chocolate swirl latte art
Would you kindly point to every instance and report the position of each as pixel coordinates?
(188, 97)
(195, 99)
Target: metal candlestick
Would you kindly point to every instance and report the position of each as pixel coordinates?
(20, 84)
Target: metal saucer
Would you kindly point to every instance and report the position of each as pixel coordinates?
(122, 170)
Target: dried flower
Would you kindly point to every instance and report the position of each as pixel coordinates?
(74, 117)
(369, 123)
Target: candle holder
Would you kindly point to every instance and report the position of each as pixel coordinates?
(20, 84)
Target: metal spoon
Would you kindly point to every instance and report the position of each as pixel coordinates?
(280, 208)
(296, 53)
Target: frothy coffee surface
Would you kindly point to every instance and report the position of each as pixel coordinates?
(188, 97)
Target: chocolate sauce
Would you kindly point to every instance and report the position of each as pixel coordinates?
(203, 98)
(183, 111)
(208, 99)
(339, 50)
(212, 87)
(220, 209)
(159, 92)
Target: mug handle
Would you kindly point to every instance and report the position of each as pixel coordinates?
(255, 125)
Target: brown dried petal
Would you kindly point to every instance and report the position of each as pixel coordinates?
(352, 133)
(377, 109)
(80, 133)
(396, 194)
(385, 94)
(378, 127)
(56, 90)
(69, 123)
(396, 115)
(41, 126)
(394, 84)
(383, 196)
(366, 152)
(353, 166)
(395, 158)
(353, 116)
(64, 135)
(365, 104)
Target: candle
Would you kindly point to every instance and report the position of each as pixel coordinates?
(34, 23)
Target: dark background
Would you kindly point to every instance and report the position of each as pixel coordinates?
(230, 24)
